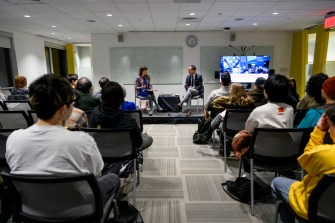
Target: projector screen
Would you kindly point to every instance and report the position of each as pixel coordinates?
(245, 69)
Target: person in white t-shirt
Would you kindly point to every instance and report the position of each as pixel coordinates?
(47, 148)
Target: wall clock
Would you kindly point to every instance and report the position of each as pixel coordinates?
(191, 41)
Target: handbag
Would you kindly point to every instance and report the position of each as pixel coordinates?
(125, 212)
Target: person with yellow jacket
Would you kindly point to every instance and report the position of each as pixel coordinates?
(318, 159)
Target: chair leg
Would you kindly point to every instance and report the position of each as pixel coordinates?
(197, 106)
(138, 177)
(134, 183)
(240, 169)
(225, 151)
(278, 204)
(213, 137)
(252, 200)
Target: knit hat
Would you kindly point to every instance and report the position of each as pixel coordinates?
(329, 87)
(260, 82)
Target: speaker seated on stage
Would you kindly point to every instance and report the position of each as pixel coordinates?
(224, 90)
(144, 89)
(193, 86)
(110, 115)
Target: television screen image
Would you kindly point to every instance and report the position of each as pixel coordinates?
(245, 69)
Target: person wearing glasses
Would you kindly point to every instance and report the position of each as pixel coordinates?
(47, 148)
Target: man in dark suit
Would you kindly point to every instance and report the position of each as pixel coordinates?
(193, 86)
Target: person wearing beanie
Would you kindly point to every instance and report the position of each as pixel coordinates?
(328, 95)
(257, 94)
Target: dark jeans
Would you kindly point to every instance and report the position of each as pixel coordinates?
(109, 186)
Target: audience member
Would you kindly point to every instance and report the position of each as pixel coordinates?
(193, 86)
(224, 90)
(20, 86)
(73, 79)
(317, 160)
(102, 83)
(109, 115)
(78, 118)
(293, 88)
(257, 94)
(144, 89)
(272, 72)
(86, 101)
(313, 97)
(328, 95)
(47, 148)
(238, 100)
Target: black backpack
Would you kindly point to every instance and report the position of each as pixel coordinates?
(203, 126)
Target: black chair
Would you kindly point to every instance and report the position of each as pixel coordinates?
(198, 97)
(274, 150)
(321, 203)
(233, 122)
(299, 115)
(4, 133)
(137, 115)
(14, 120)
(32, 116)
(13, 105)
(45, 198)
(116, 145)
(2, 106)
(17, 97)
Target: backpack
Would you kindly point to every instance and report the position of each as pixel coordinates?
(123, 168)
(199, 137)
(240, 189)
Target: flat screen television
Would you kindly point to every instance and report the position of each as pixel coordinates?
(245, 69)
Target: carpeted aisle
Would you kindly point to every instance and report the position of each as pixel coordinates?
(181, 182)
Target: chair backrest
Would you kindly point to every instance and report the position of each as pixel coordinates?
(234, 120)
(114, 144)
(4, 133)
(32, 116)
(13, 105)
(88, 114)
(6, 90)
(278, 146)
(17, 97)
(321, 203)
(137, 115)
(72, 198)
(2, 106)
(14, 120)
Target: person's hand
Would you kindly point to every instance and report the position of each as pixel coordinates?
(322, 123)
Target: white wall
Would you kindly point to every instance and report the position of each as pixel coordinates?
(83, 56)
(101, 43)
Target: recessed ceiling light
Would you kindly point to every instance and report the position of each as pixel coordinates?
(238, 19)
(255, 24)
(52, 33)
(275, 13)
(192, 13)
(120, 25)
(187, 24)
(53, 26)
(27, 16)
(109, 14)
(69, 38)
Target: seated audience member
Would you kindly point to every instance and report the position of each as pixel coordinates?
(73, 79)
(86, 101)
(224, 90)
(78, 118)
(102, 83)
(109, 115)
(293, 88)
(318, 159)
(328, 95)
(193, 86)
(313, 97)
(47, 148)
(238, 100)
(275, 113)
(272, 72)
(257, 94)
(20, 87)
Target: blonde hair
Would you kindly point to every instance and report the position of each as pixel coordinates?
(20, 82)
(238, 95)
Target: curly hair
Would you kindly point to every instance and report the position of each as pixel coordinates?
(238, 95)
(314, 86)
(20, 82)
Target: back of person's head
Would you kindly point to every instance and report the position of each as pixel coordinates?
(314, 86)
(277, 88)
(272, 72)
(293, 87)
(112, 95)
(225, 78)
(328, 88)
(84, 85)
(20, 82)
(238, 95)
(49, 93)
(260, 81)
(142, 68)
(72, 77)
(103, 81)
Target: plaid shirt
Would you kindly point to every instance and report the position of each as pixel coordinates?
(78, 118)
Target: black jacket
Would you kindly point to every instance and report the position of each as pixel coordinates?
(198, 82)
(115, 119)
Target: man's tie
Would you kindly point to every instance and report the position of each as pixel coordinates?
(192, 81)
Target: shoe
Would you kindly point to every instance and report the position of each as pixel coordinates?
(150, 113)
(180, 105)
(160, 109)
(188, 113)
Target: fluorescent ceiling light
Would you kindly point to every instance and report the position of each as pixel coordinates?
(27, 16)
(192, 13)
(120, 25)
(53, 26)
(275, 13)
(187, 24)
(255, 24)
(109, 15)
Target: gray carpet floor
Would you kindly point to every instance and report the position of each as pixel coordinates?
(181, 182)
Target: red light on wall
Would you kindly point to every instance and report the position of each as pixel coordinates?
(330, 21)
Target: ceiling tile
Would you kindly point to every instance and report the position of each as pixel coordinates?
(196, 6)
(164, 14)
(226, 6)
(69, 8)
(242, 13)
(163, 6)
(134, 14)
(102, 7)
(132, 6)
(38, 8)
(257, 5)
(197, 13)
